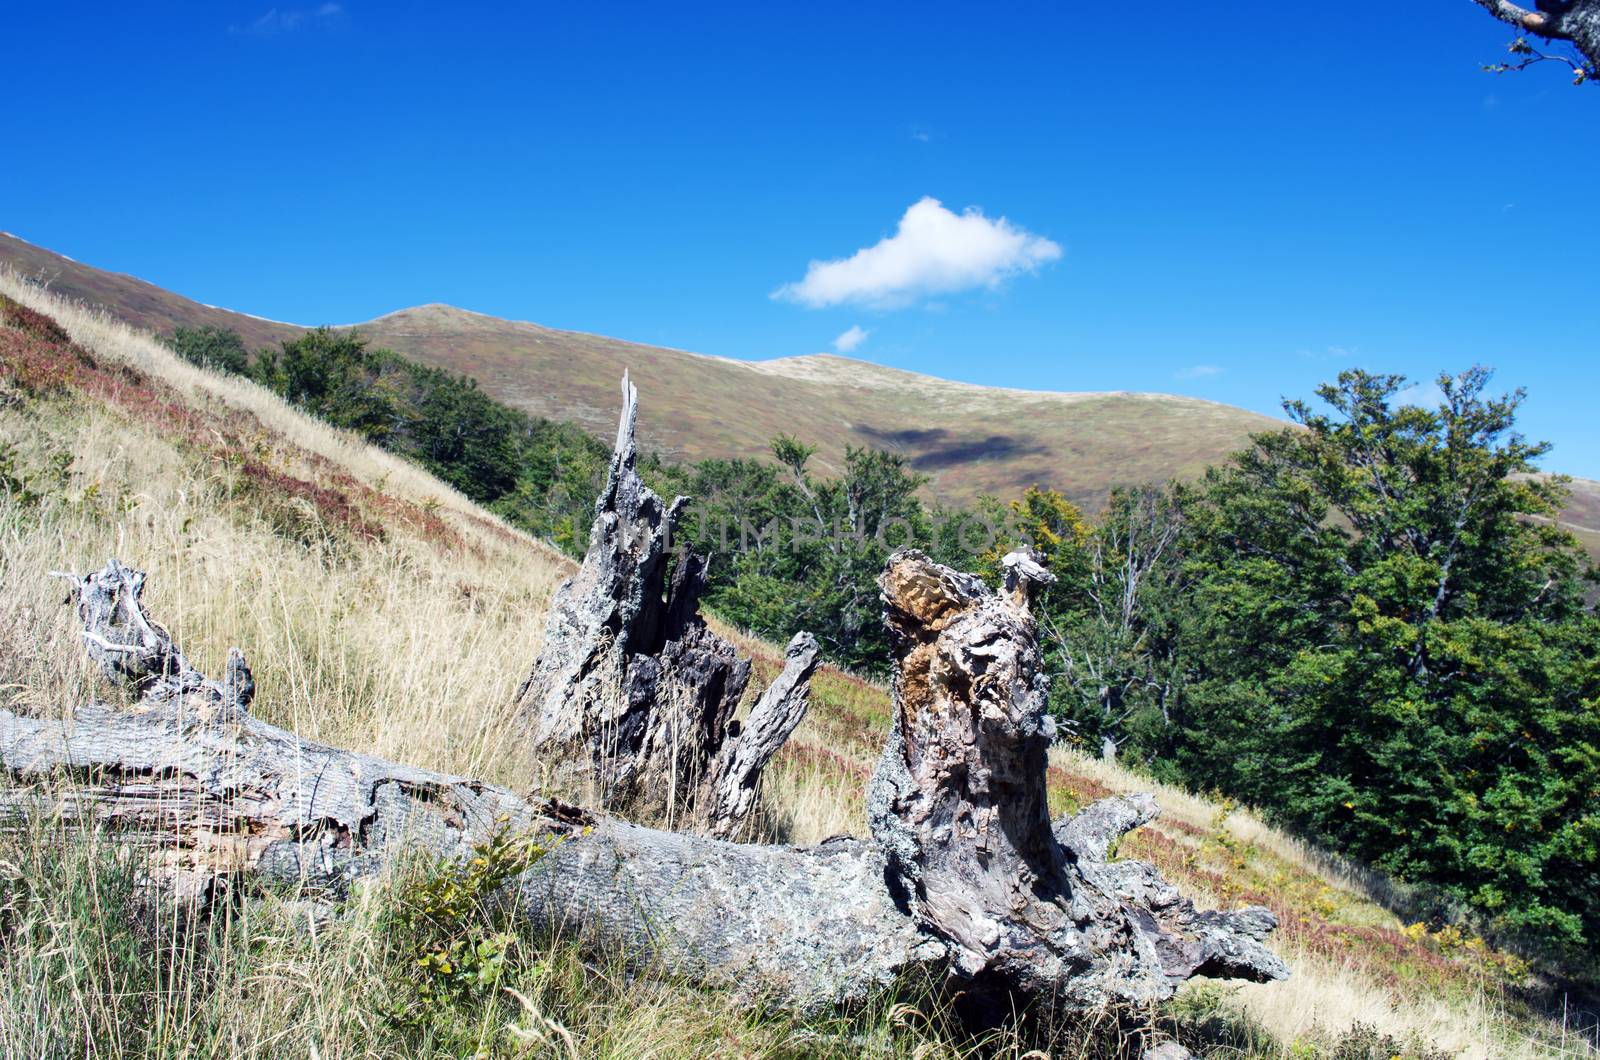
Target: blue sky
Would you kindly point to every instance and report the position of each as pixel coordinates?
(1230, 208)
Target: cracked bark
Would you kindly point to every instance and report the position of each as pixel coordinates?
(965, 881)
(632, 699)
(958, 804)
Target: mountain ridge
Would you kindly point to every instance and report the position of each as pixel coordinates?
(969, 439)
(816, 367)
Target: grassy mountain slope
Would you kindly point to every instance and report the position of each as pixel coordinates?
(968, 439)
(1582, 515)
(384, 612)
(130, 299)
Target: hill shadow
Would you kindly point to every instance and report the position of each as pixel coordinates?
(934, 449)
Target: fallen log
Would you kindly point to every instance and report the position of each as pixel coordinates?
(965, 881)
(212, 792)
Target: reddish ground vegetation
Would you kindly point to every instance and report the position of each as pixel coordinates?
(506, 536)
(14, 314)
(1083, 790)
(426, 524)
(35, 366)
(37, 356)
(332, 506)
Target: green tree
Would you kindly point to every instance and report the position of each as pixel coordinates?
(220, 349)
(539, 474)
(1049, 523)
(559, 470)
(1114, 623)
(1388, 648)
(334, 375)
(791, 550)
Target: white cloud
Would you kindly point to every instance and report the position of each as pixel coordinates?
(851, 339)
(285, 20)
(1199, 371)
(933, 251)
(1420, 395)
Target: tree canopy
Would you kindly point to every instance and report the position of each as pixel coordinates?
(1383, 641)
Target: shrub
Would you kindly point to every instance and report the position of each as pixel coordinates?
(452, 928)
(219, 349)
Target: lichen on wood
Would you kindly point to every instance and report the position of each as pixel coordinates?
(958, 804)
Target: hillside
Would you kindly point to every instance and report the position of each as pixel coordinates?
(967, 439)
(130, 299)
(1582, 515)
(384, 612)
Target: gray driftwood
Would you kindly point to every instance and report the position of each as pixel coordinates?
(632, 699)
(966, 881)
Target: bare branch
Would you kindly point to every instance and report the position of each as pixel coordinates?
(1576, 22)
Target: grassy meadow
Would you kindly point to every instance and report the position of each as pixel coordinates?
(384, 612)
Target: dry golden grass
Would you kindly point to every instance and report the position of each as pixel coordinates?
(410, 647)
(398, 647)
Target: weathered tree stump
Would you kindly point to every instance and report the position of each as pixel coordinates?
(965, 882)
(958, 804)
(632, 699)
(128, 646)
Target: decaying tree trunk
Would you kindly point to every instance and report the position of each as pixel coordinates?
(214, 792)
(958, 805)
(965, 880)
(130, 647)
(633, 697)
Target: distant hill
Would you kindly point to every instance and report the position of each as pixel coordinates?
(130, 299)
(1582, 515)
(968, 439)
